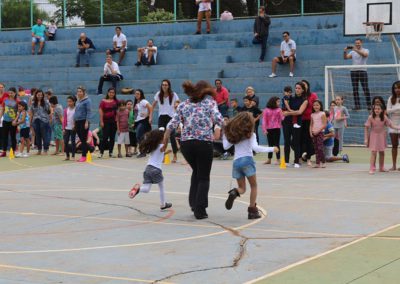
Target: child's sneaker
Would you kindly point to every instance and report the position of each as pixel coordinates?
(82, 160)
(253, 212)
(3, 154)
(134, 191)
(233, 193)
(25, 155)
(19, 155)
(296, 125)
(166, 206)
(296, 166)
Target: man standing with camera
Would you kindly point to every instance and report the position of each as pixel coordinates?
(359, 56)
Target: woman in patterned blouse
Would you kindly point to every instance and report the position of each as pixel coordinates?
(198, 114)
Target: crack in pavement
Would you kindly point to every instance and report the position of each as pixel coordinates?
(236, 260)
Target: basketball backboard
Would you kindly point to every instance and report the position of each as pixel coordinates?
(357, 12)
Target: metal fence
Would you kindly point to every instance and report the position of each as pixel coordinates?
(19, 14)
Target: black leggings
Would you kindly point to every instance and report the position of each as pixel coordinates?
(307, 144)
(70, 135)
(274, 136)
(199, 155)
(109, 131)
(83, 135)
(292, 137)
(162, 122)
(9, 129)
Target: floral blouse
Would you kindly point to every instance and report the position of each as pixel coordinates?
(197, 119)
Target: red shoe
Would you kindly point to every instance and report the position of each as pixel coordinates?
(3, 154)
(134, 191)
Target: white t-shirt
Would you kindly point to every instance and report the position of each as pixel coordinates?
(70, 118)
(246, 147)
(156, 157)
(166, 108)
(393, 112)
(287, 47)
(52, 29)
(115, 67)
(357, 59)
(142, 111)
(204, 6)
(120, 39)
(154, 53)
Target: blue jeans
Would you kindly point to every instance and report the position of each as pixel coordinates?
(86, 54)
(41, 134)
(142, 127)
(243, 167)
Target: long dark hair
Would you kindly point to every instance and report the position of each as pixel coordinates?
(303, 87)
(115, 92)
(36, 100)
(151, 141)
(141, 96)
(394, 96)
(196, 93)
(382, 115)
(307, 91)
(272, 103)
(170, 93)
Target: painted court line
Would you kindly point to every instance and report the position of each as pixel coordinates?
(51, 271)
(320, 255)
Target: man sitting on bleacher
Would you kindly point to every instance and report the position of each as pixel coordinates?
(147, 55)
(38, 32)
(288, 55)
(85, 48)
(111, 73)
(120, 44)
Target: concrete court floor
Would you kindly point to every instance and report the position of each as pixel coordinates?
(74, 223)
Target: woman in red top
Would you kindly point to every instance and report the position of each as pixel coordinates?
(108, 111)
(307, 146)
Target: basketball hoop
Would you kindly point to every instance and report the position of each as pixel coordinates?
(373, 30)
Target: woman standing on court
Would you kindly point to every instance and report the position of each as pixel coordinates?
(292, 134)
(307, 148)
(81, 119)
(144, 117)
(40, 120)
(108, 112)
(166, 99)
(393, 111)
(198, 114)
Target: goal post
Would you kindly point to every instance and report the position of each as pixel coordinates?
(377, 82)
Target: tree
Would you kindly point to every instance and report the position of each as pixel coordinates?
(17, 14)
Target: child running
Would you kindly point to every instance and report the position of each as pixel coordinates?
(317, 127)
(152, 144)
(23, 122)
(375, 136)
(239, 131)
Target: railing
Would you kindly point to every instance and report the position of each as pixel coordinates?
(68, 13)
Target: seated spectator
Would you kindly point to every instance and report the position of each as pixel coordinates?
(111, 73)
(288, 55)
(222, 98)
(147, 55)
(120, 45)
(38, 32)
(51, 31)
(85, 48)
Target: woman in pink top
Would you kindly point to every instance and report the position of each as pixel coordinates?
(271, 126)
(307, 145)
(317, 126)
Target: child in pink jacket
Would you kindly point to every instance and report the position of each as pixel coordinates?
(271, 125)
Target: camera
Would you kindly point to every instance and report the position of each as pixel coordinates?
(349, 47)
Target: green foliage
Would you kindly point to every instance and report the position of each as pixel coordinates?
(17, 14)
(160, 15)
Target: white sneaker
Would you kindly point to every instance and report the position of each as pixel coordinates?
(19, 155)
(296, 125)
(296, 166)
(25, 155)
(273, 75)
(291, 74)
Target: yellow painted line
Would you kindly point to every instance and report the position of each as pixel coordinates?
(320, 255)
(51, 271)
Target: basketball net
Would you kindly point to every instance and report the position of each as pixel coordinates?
(373, 30)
